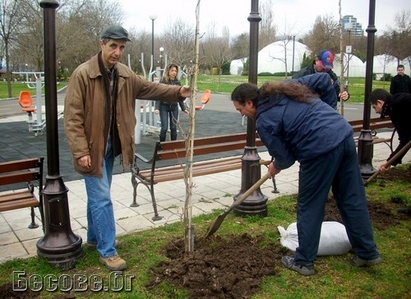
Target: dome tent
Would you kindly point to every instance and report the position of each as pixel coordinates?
(237, 66)
(271, 58)
(356, 66)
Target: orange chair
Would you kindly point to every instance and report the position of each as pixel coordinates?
(204, 99)
(26, 102)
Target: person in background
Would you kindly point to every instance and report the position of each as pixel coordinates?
(99, 121)
(324, 62)
(400, 82)
(296, 125)
(169, 110)
(397, 107)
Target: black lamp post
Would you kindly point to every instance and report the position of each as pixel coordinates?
(292, 68)
(256, 203)
(59, 246)
(153, 18)
(365, 146)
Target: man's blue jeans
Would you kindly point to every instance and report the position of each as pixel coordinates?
(168, 112)
(100, 215)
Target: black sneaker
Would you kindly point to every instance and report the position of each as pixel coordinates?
(289, 263)
(359, 262)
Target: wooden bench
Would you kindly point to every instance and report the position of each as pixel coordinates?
(375, 124)
(28, 171)
(176, 150)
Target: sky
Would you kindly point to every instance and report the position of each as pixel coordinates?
(294, 17)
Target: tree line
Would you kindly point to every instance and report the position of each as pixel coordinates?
(80, 22)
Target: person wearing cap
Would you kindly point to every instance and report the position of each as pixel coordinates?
(99, 121)
(324, 62)
(295, 125)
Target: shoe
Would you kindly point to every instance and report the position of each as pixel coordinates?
(405, 211)
(359, 262)
(113, 263)
(289, 263)
(93, 246)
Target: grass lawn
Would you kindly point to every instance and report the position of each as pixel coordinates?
(335, 277)
(219, 84)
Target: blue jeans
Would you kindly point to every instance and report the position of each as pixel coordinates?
(168, 112)
(100, 215)
(338, 169)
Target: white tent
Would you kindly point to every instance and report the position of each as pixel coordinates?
(355, 66)
(385, 64)
(274, 57)
(237, 66)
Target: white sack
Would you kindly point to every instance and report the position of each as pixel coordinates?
(333, 238)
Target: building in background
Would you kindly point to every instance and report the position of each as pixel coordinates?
(350, 24)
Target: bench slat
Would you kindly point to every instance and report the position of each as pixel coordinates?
(19, 177)
(18, 204)
(19, 165)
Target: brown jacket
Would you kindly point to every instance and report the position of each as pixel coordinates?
(84, 109)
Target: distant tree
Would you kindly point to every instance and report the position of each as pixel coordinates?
(178, 42)
(324, 35)
(267, 28)
(397, 39)
(9, 25)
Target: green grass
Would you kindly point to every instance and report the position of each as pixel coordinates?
(221, 84)
(335, 277)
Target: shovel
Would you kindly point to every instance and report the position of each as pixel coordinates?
(220, 218)
(389, 162)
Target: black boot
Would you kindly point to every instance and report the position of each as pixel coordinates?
(405, 211)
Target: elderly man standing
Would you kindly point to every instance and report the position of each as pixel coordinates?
(99, 120)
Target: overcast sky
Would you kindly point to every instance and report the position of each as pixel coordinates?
(290, 16)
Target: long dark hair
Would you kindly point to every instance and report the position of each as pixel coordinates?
(293, 90)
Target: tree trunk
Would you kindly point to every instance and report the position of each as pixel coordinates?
(188, 176)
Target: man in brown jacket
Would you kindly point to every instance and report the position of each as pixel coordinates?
(99, 120)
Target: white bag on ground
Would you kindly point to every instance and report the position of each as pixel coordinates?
(333, 239)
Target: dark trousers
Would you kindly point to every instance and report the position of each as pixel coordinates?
(168, 112)
(340, 170)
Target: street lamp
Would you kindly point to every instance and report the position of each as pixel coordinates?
(365, 146)
(152, 17)
(161, 57)
(256, 203)
(292, 68)
(59, 245)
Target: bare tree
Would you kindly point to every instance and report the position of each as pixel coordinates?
(324, 35)
(178, 43)
(9, 26)
(267, 29)
(397, 39)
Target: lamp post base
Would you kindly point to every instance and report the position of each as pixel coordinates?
(365, 153)
(59, 246)
(256, 203)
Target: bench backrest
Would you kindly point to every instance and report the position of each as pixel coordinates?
(22, 171)
(375, 123)
(168, 150)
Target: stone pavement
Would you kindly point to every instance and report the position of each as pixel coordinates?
(211, 192)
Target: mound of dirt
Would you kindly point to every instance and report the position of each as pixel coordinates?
(234, 266)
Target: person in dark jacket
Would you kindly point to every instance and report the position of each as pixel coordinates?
(169, 110)
(400, 82)
(324, 62)
(296, 125)
(397, 107)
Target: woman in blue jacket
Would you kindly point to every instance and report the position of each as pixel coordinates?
(296, 125)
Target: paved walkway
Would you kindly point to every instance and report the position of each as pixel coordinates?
(210, 192)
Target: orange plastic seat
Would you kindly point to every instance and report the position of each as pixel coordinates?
(26, 102)
(204, 99)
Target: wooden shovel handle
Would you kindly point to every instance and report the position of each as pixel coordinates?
(389, 162)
